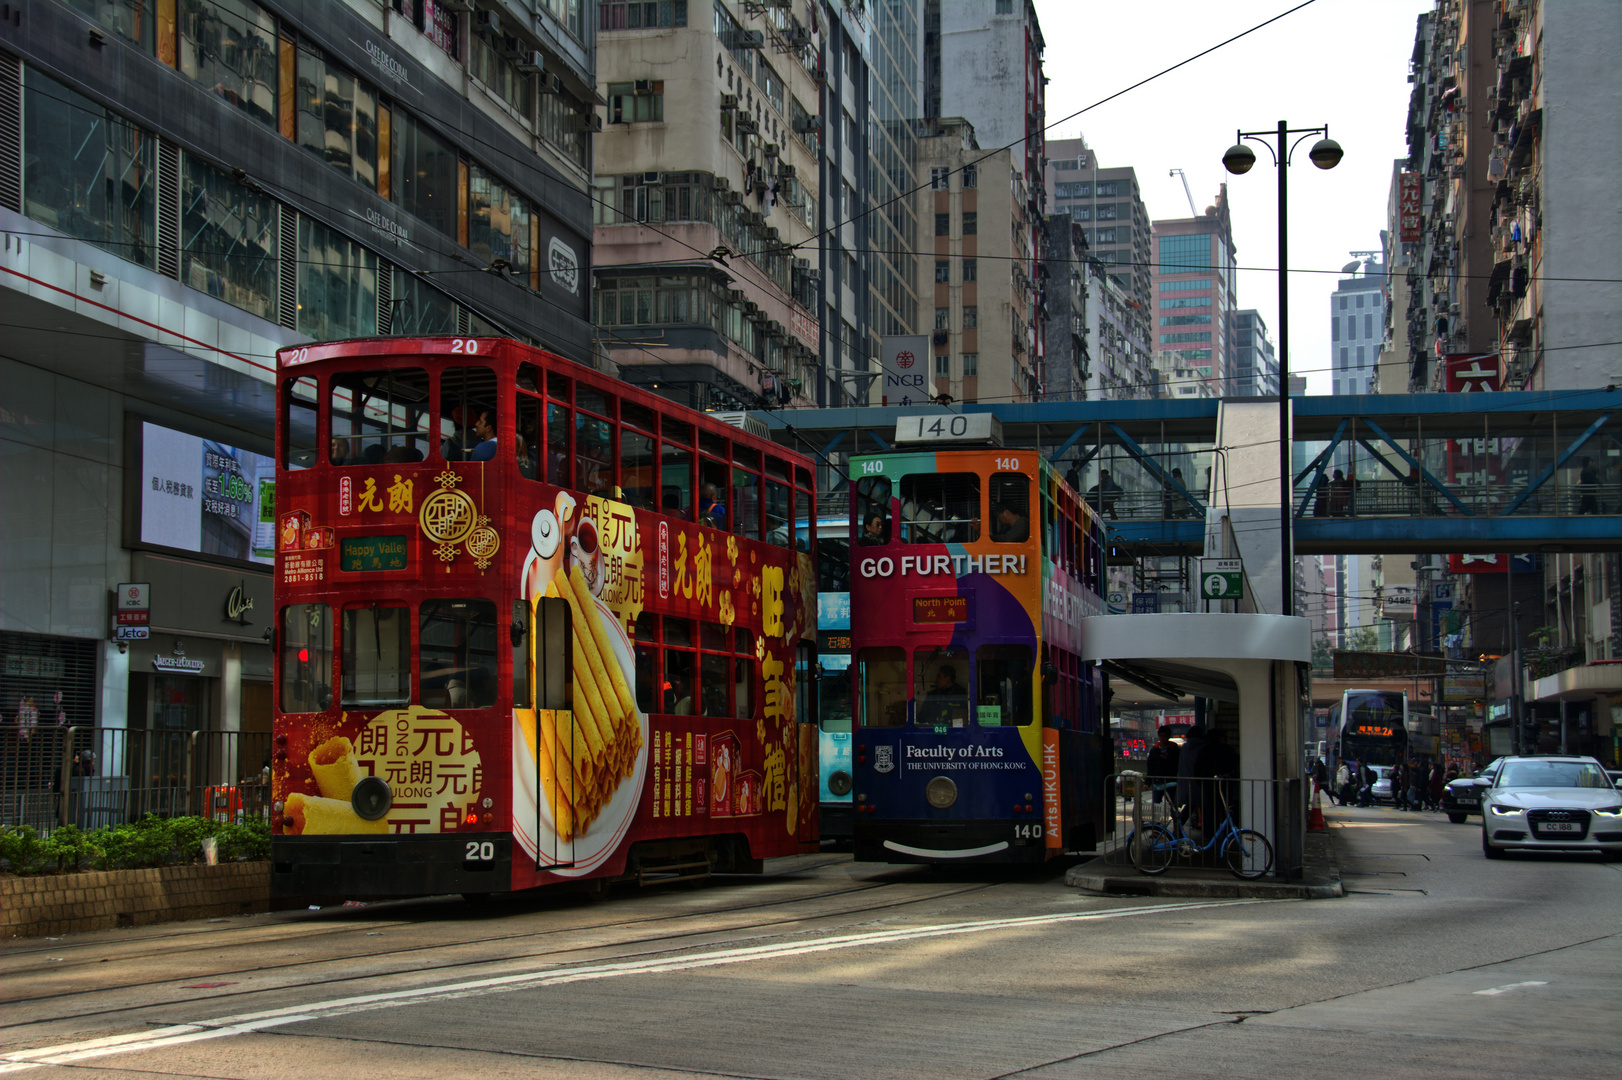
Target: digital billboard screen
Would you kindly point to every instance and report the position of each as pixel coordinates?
(203, 496)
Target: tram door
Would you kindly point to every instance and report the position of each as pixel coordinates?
(559, 740)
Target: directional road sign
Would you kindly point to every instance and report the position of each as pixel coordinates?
(1221, 579)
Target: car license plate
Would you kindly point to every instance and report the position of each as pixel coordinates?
(1560, 826)
(1469, 802)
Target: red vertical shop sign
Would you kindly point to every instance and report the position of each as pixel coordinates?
(1473, 463)
(1410, 192)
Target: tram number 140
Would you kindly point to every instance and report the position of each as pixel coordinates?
(1027, 832)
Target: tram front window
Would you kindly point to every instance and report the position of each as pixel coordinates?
(882, 685)
(940, 508)
(1003, 683)
(941, 679)
(457, 654)
(873, 510)
(834, 693)
(377, 656)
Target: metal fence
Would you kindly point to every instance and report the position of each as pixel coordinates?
(94, 777)
(1200, 805)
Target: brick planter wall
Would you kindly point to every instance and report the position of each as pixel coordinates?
(99, 900)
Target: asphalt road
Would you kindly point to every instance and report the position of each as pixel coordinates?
(1436, 964)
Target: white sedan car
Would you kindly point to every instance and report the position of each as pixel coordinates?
(1551, 803)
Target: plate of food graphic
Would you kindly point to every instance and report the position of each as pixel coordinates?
(582, 822)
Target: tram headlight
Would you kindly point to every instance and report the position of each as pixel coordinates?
(941, 792)
(839, 783)
(372, 798)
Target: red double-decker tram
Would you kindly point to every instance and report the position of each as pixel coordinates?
(533, 625)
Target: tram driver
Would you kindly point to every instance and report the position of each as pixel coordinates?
(947, 701)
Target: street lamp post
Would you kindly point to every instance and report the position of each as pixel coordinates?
(1326, 154)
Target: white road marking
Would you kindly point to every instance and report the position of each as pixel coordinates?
(1507, 987)
(224, 1026)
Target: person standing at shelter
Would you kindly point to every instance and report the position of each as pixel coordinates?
(1187, 762)
(1162, 764)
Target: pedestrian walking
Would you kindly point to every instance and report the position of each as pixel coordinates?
(1162, 765)
(1344, 788)
(1418, 784)
(1437, 785)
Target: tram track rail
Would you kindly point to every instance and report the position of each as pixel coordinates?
(640, 946)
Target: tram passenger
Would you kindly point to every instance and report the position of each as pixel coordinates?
(1011, 526)
(873, 530)
(711, 510)
(947, 702)
(484, 428)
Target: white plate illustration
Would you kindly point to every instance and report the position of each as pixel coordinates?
(532, 817)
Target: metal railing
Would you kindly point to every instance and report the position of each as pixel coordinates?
(95, 777)
(1198, 805)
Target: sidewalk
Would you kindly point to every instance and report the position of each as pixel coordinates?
(1320, 878)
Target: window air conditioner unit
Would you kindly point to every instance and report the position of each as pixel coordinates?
(729, 102)
(531, 62)
(802, 264)
(720, 183)
(771, 150)
(746, 39)
(512, 47)
(596, 122)
(750, 309)
(735, 295)
(487, 21)
(732, 198)
(752, 219)
(808, 123)
(644, 86)
(786, 172)
(747, 125)
(652, 178)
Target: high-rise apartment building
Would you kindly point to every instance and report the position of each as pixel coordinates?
(894, 231)
(1068, 368)
(706, 273)
(1109, 207)
(981, 340)
(1255, 372)
(188, 186)
(1193, 277)
(992, 50)
(1357, 330)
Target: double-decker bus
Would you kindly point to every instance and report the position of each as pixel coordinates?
(979, 730)
(1370, 726)
(533, 625)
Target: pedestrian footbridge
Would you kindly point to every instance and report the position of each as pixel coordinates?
(1513, 471)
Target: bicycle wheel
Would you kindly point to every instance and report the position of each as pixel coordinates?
(1153, 848)
(1248, 854)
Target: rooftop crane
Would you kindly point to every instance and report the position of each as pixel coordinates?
(1184, 178)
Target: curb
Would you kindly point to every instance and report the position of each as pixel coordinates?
(1322, 879)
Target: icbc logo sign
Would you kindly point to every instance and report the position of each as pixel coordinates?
(904, 359)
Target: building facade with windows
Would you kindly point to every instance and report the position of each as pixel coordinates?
(981, 342)
(706, 192)
(1193, 279)
(1357, 330)
(187, 186)
(1255, 360)
(993, 49)
(1109, 207)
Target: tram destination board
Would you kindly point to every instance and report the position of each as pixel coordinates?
(361, 554)
(940, 609)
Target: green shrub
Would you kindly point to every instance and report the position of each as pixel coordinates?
(21, 849)
(152, 841)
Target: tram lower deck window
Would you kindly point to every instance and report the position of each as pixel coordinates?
(882, 685)
(376, 667)
(306, 684)
(1003, 683)
(456, 653)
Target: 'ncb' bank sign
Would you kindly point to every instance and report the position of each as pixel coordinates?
(904, 360)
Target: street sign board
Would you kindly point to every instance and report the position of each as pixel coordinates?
(1221, 579)
(131, 633)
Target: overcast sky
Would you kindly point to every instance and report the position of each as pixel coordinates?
(1343, 63)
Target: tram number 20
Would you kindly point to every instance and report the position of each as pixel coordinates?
(1027, 832)
(480, 851)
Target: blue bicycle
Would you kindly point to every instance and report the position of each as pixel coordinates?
(1245, 852)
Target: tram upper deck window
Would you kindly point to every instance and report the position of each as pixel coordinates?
(1003, 685)
(594, 452)
(712, 493)
(639, 477)
(527, 436)
(378, 416)
(456, 653)
(746, 492)
(376, 665)
(940, 508)
(1010, 508)
(299, 397)
(306, 658)
(873, 510)
(470, 422)
(881, 674)
(777, 514)
(676, 480)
